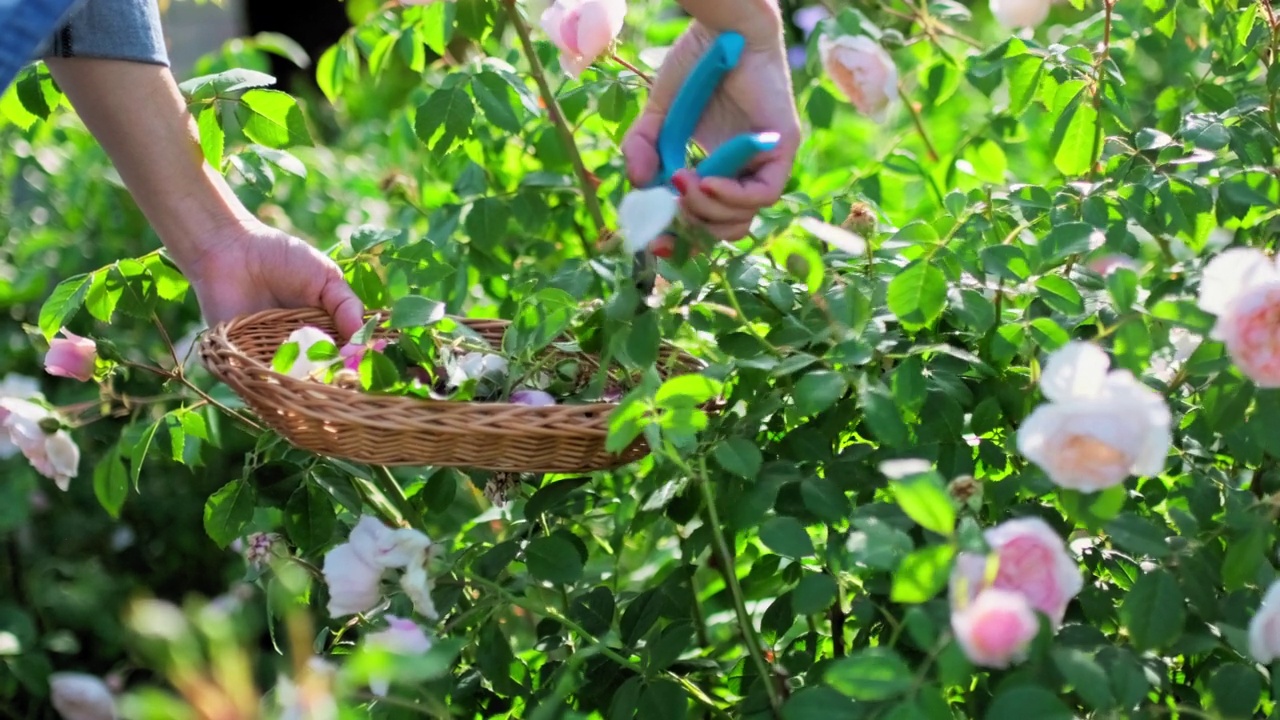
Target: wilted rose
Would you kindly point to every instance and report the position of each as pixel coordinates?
(71, 356)
(1242, 287)
(1099, 426)
(862, 70)
(1031, 560)
(1264, 628)
(996, 628)
(583, 29)
(1020, 13)
(51, 452)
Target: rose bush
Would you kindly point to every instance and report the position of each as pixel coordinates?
(998, 377)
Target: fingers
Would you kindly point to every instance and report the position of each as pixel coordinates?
(340, 301)
(640, 146)
(702, 205)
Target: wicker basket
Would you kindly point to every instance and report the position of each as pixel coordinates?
(398, 430)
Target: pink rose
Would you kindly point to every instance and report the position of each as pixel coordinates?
(583, 29)
(1264, 628)
(352, 354)
(53, 454)
(995, 629)
(77, 696)
(1031, 560)
(1020, 13)
(535, 398)
(1107, 264)
(1099, 426)
(1242, 287)
(71, 356)
(402, 637)
(354, 585)
(862, 70)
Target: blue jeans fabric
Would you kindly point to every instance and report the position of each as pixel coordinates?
(25, 27)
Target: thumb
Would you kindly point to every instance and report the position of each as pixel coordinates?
(640, 146)
(340, 301)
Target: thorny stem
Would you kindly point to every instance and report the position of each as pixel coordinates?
(919, 123)
(745, 623)
(562, 126)
(190, 386)
(640, 74)
(1100, 87)
(1274, 22)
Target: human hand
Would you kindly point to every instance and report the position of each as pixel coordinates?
(255, 267)
(755, 97)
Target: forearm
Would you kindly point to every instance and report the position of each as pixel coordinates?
(140, 118)
(759, 21)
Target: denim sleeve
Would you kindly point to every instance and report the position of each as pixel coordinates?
(25, 26)
(111, 29)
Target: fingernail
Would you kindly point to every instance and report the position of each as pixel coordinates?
(662, 250)
(706, 187)
(681, 182)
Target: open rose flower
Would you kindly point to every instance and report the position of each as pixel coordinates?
(353, 570)
(583, 29)
(306, 338)
(402, 637)
(1242, 287)
(1264, 628)
(1020, 13)
(77, 696)
(862, 70)
(32, 429)
(996, 628)
(15, 387)
(1099, 426)
(1031, 560)
(71, 356)
(353, 354)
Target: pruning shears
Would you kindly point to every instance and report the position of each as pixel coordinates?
(646, 214)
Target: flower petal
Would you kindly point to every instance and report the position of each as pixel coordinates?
(1230, 274)
(1076, 370)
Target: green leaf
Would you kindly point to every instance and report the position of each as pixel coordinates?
(493, 94)
(739, 456)
(1153, 611)
(1079, 150)
(787, 537)
(415, 311)
(1064, 240)
(1138, 535)
(138, 454)
(450, 112)
(212, 138)
(1236, 690)
(272, 118)
(664, 699)
(1085, 675)
(309, 518)
(821, 107)
(553, 559)
(1060, 294)
(922, 574)
(111, 482)
(1244, 556)
(1022, 702)
(870, 674)
(923, 497)
(686, 391)
(818, 702)
(818, 390)
(882, 414)
(918, 294)
(1024, 81)
(62, 304)
(813, 594)
(228, 511)
(594, 610)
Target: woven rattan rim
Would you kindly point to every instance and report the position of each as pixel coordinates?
(408, 431)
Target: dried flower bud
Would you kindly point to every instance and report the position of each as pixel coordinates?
(347, 379)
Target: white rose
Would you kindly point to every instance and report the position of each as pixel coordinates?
(77, 696)
(54, 455)
(306, 337)
(1264, 628)
(1020, 13)
(382, 547)
(1098, 427)
(1242, 287)
(354, 585)
(862, 70)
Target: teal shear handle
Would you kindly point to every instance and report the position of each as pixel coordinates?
(686, 112)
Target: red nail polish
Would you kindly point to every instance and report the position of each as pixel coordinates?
(681, 182)
(706, 187)
(662, 251)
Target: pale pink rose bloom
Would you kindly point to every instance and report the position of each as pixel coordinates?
(862, 70)
(1264, 628)
(535, 398)
(354, 585)
(1242, 287)
(71, 356)
(306, 337)
(54, 455)
(16, 387)
(381, 547)
(353, 354)
(1020, 13)
(1107, 264)
(996, 628)
(1031, 560)
(583, 29)
(402, 637)
(1099, 426)
(77, 696)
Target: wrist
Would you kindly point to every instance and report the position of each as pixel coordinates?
(202, 220)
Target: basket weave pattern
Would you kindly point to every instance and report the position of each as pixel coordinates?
(397, 430)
